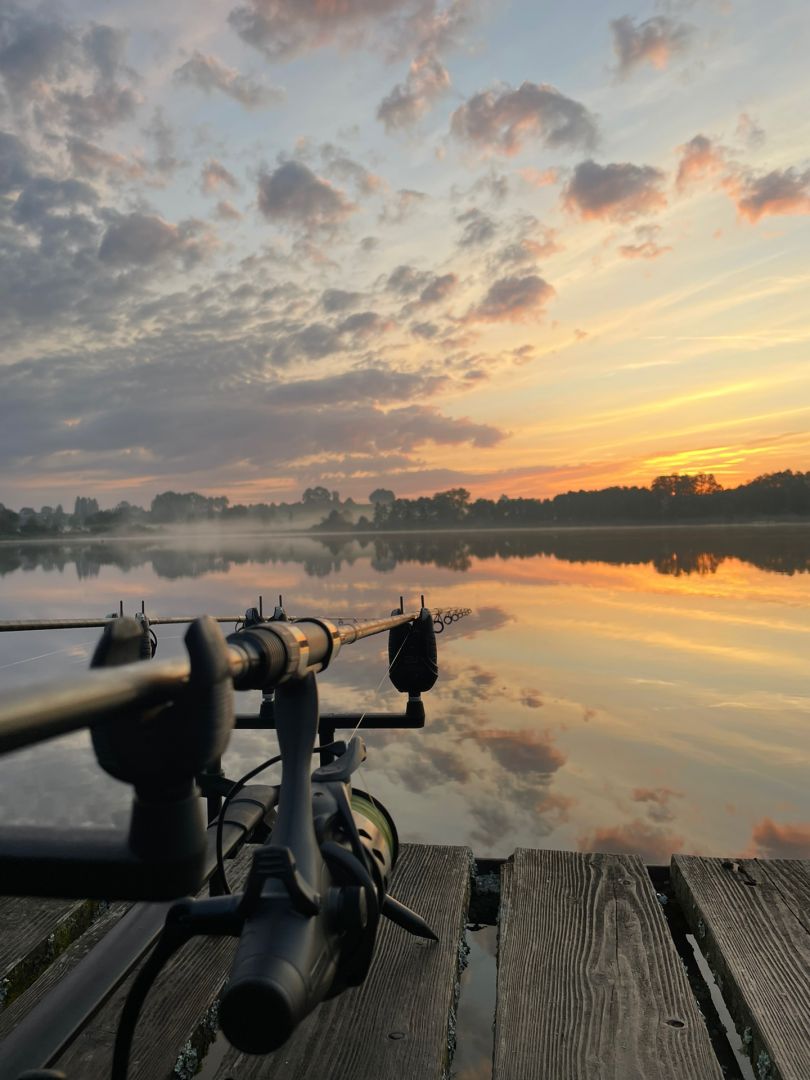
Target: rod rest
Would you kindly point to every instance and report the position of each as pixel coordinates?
(158, 752)
(413, 717)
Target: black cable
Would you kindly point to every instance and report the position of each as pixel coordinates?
(237, 787)
(167, 945)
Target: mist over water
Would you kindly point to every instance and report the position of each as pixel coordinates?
(634, 690)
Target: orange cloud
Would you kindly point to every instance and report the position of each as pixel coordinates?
(770, 840)
(636, 838)
(777, 192)
(700, 157)
(539, 177)
(646, 246)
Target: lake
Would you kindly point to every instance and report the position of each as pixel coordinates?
(614, 689)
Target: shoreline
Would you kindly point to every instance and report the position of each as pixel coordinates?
(349, 534)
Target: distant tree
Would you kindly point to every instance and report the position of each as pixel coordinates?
(171, 506)
(677, 485)
(316, 496)
(83, 508)
(9, 521)
(381, 496)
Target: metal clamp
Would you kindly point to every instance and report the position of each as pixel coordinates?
(333, 637)
(296, 649)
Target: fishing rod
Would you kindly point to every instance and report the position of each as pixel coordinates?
(307, 917)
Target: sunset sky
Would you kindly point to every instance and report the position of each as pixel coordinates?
(254, 245)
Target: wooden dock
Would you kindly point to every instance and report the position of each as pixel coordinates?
(596, 979)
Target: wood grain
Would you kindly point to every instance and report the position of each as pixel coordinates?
(33, 932)
(750, 919)
(173, 1012)
(56, 971)
(396, 1026)
(590, 986)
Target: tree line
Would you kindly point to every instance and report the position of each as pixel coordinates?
(669, 499)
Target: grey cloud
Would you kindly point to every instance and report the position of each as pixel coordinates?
(438, 289)
(479, 228)
(427, 80)
(401, 206)
(161, 132)
(104, 106)
(351, 172)
(42, 195)
(214, 175)
(295, 195)
(104, 47)
(314, 342)
(493, 184)
(209, 74)
(63, 75)
(525, 753)
(617, 191)
(361, 384)
(427, 330)
(503, 119)
(140, 239)
(782, 191)
(527, 250)
(654, 41)
(282, 29)
(364, 323)
(32, 48)
(513, 299)
(339, 299)
(406, 280)
(435, 29)
(226, 211)
(14, 162)
(155, 398)
(88, 159)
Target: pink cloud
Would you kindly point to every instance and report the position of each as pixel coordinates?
(771, 840)
(637, 837)
(700, 158)
(654, 41)
(646, 245)
(502, 120)
(785, 191)
(539, 178)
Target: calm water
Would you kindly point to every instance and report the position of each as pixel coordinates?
(615, 690)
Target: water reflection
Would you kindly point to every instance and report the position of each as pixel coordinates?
(782, 549)
(614, 690)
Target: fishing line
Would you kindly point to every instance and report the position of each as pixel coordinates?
(376, 691)
(378, 687)
(41, 656)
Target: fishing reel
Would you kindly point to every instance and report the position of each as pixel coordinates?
(307, 919)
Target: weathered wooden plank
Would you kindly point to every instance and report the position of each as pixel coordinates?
(590, 985)
(171, 1021)
(751, 921)
(54, 973)
(33, 932)
(396, 1026)
(792, 878)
